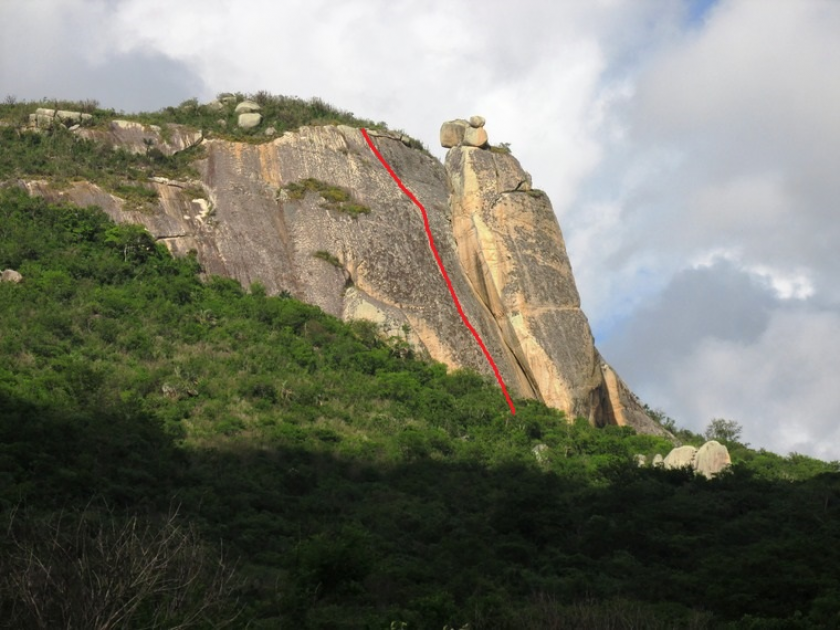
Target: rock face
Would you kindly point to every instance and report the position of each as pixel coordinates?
(498, 239)
(512, 251)
(540, 452)
(138, 138)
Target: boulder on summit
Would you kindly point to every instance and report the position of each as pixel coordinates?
(460, 132)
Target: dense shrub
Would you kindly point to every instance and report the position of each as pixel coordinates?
(361, 487)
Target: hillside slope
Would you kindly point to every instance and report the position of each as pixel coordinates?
(349, 484)
(313, 214)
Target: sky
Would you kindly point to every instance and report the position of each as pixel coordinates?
(690, 149)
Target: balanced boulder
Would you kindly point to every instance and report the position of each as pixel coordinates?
(452, 133)
(460, 132)
(475, 137)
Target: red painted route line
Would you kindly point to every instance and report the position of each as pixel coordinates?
(445, 275)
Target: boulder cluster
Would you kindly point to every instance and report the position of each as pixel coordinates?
(248, 112)
(709, 460)
(45, 118)
(464, 133)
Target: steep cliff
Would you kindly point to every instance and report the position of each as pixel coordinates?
(313, 213)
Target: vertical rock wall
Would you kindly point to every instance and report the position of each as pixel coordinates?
(511, 249)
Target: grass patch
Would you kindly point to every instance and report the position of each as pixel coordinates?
(335, 197)
(502, 147)
(58, 155)
(138, 195)
(328, 257)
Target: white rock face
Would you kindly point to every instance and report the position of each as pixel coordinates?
(138, 138)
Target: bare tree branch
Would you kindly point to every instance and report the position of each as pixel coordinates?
(100, 571)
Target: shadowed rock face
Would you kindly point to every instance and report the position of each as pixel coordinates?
(498, 239)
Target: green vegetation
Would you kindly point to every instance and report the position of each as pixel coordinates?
(284, 113)
(328, 257)
(356, 486)
(723, 430)
(58, 155)
(61, 156)
(335, 197)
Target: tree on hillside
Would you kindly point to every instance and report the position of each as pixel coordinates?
(723, 430)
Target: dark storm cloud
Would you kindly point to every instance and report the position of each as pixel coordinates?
(719, 301)
(719, 342)
(130, 83)
(68, 49)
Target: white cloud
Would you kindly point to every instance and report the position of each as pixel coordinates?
(781, 387)
(67, 49)
(720, 342)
